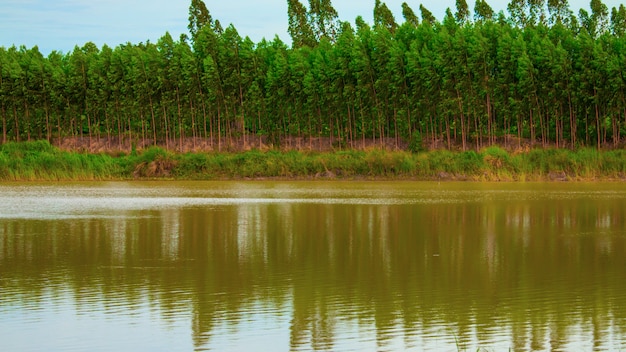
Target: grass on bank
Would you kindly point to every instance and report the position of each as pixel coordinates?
(41, 161)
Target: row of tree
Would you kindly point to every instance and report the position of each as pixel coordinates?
(546, 76)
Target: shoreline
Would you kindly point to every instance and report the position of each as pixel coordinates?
(40, 161)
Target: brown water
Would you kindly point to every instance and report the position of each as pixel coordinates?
(342, 266)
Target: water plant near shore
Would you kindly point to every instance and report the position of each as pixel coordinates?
(41, 161)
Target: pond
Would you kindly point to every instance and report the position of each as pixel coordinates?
(342, 266)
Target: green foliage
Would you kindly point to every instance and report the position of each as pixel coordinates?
(416, 145)
(26, 148)
(41, 161)
(468, 162)
(499, 162)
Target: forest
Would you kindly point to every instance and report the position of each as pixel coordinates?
(538, 74)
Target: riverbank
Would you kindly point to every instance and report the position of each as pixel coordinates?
(40, 161)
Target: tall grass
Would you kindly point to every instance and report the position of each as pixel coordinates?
(41, 161)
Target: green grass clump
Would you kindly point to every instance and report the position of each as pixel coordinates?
(499, 164)
(41, 161)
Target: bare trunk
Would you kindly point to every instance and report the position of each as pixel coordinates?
(167, 134)
(463, 136)
(193, 123)
(180, 123)
(4, 125)
(598, 132)
(532, 128)
(119, 123)
(490, 124)
(572, 120)
(27, 118)
(152, 115)
(48, 130)
(219, 128)
(17, 124)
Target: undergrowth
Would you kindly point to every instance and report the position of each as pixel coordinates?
(41, 161)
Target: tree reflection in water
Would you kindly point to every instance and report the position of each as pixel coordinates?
(529, 274)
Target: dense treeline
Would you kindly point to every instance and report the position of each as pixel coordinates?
(540, 74)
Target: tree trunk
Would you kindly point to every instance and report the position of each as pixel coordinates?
(27, 118)
(532, 128)
(193, 123)
(167, 135)
(572, 120)
(17, 123)
(598, 132)
(180, 123)
(4, 125)
(463, 135)
(219, 128)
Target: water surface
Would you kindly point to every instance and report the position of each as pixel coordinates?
(342, 266)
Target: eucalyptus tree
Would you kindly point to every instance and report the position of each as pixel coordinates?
(384, 17)
(81, 92)
(527, 87)
(18, 89)
(384, 70)
(57, 93)
(277, 88)
(199, 17)
(618, 20)
(560, 77)
(455, 78)
(174, 84)
(35, 86)
(599, 16)
(365, 72)
(510, 44)
(234, 81)
(299, 68)
(462, 14)
(191, 97)
(592, 78)
(98, 79)
(517, 11)
(482, 60)
(205, 48)
(424, 71)
(400, 46)
(12, 86)
(559, 11)
(124, 86)
(299, 27)
(146, 67)
(596, 22)
(345, 83)
(409, 15)
(615, 45)
(427, 16)
(536, 12)
(482, 11)
(211, 81)
(324, 19)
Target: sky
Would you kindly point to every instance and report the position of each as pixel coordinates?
(62, 24)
